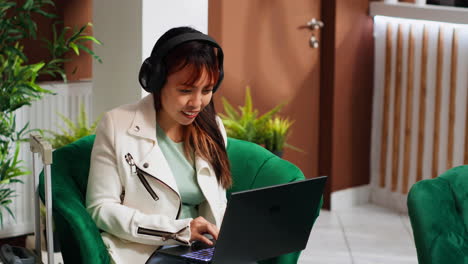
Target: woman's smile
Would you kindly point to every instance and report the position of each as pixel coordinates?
(190, 115)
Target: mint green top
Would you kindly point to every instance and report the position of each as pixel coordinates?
(184, 173)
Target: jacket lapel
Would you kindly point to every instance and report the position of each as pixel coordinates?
(144, 122)
(208, 184)
(153, 162)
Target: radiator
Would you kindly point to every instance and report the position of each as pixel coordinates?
(420, 121)
(42, 114)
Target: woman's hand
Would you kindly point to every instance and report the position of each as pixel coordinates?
(200, 226)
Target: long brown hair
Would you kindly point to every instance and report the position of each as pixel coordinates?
(202, 136)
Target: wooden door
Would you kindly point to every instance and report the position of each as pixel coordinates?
(266, 46)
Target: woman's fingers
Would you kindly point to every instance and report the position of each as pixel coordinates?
(200, 226)
(212, 230)
(203, 239)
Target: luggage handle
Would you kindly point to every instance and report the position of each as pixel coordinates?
(39, 145)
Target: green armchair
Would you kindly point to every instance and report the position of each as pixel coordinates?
(251, 165)
(438, 211)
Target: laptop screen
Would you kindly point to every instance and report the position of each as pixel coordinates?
(267, 222)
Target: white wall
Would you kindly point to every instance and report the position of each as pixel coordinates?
(117, 23)
(160, 16)
(128, 30)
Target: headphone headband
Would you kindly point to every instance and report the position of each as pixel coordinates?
(153, 72)
(177, 40)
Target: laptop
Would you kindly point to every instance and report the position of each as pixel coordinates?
(259, 224)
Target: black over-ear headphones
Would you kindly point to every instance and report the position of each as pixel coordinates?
(153, 71)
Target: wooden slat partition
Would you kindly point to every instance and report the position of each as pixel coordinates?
(386, 105)
(409, 111)
(452, 102)
(438, 99)
(420, 117)
(397, 109)
(422, 104)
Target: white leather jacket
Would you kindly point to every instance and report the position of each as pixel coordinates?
(132, 195)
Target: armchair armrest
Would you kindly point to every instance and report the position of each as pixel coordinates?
(77, 229)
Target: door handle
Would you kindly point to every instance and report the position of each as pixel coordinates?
(315, 24)
(314, 43)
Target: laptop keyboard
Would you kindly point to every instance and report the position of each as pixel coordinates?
(202, 255)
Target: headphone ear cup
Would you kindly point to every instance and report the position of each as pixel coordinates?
(144, 76)
(220, 79)
(220, 58)
(158, 77)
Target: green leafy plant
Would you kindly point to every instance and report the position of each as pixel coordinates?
(17, 89)
(10, 169)
(74, 131)
(268, 130)
(18, 80)
(61, 45)
(276, 133)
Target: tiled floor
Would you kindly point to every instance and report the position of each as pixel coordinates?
(366, 234)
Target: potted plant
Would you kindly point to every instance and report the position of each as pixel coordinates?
(268, 130)
(276, 133)
(19, 85)
(73, 132)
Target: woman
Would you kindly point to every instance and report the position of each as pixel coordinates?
(159, 168)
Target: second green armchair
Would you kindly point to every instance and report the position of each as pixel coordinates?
(438, 210)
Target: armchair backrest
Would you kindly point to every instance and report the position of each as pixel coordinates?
(72, 163)
(253, 166)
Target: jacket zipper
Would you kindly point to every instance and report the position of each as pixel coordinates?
(142, 178)
(152, 232)
(165, 235)
(131, 162)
